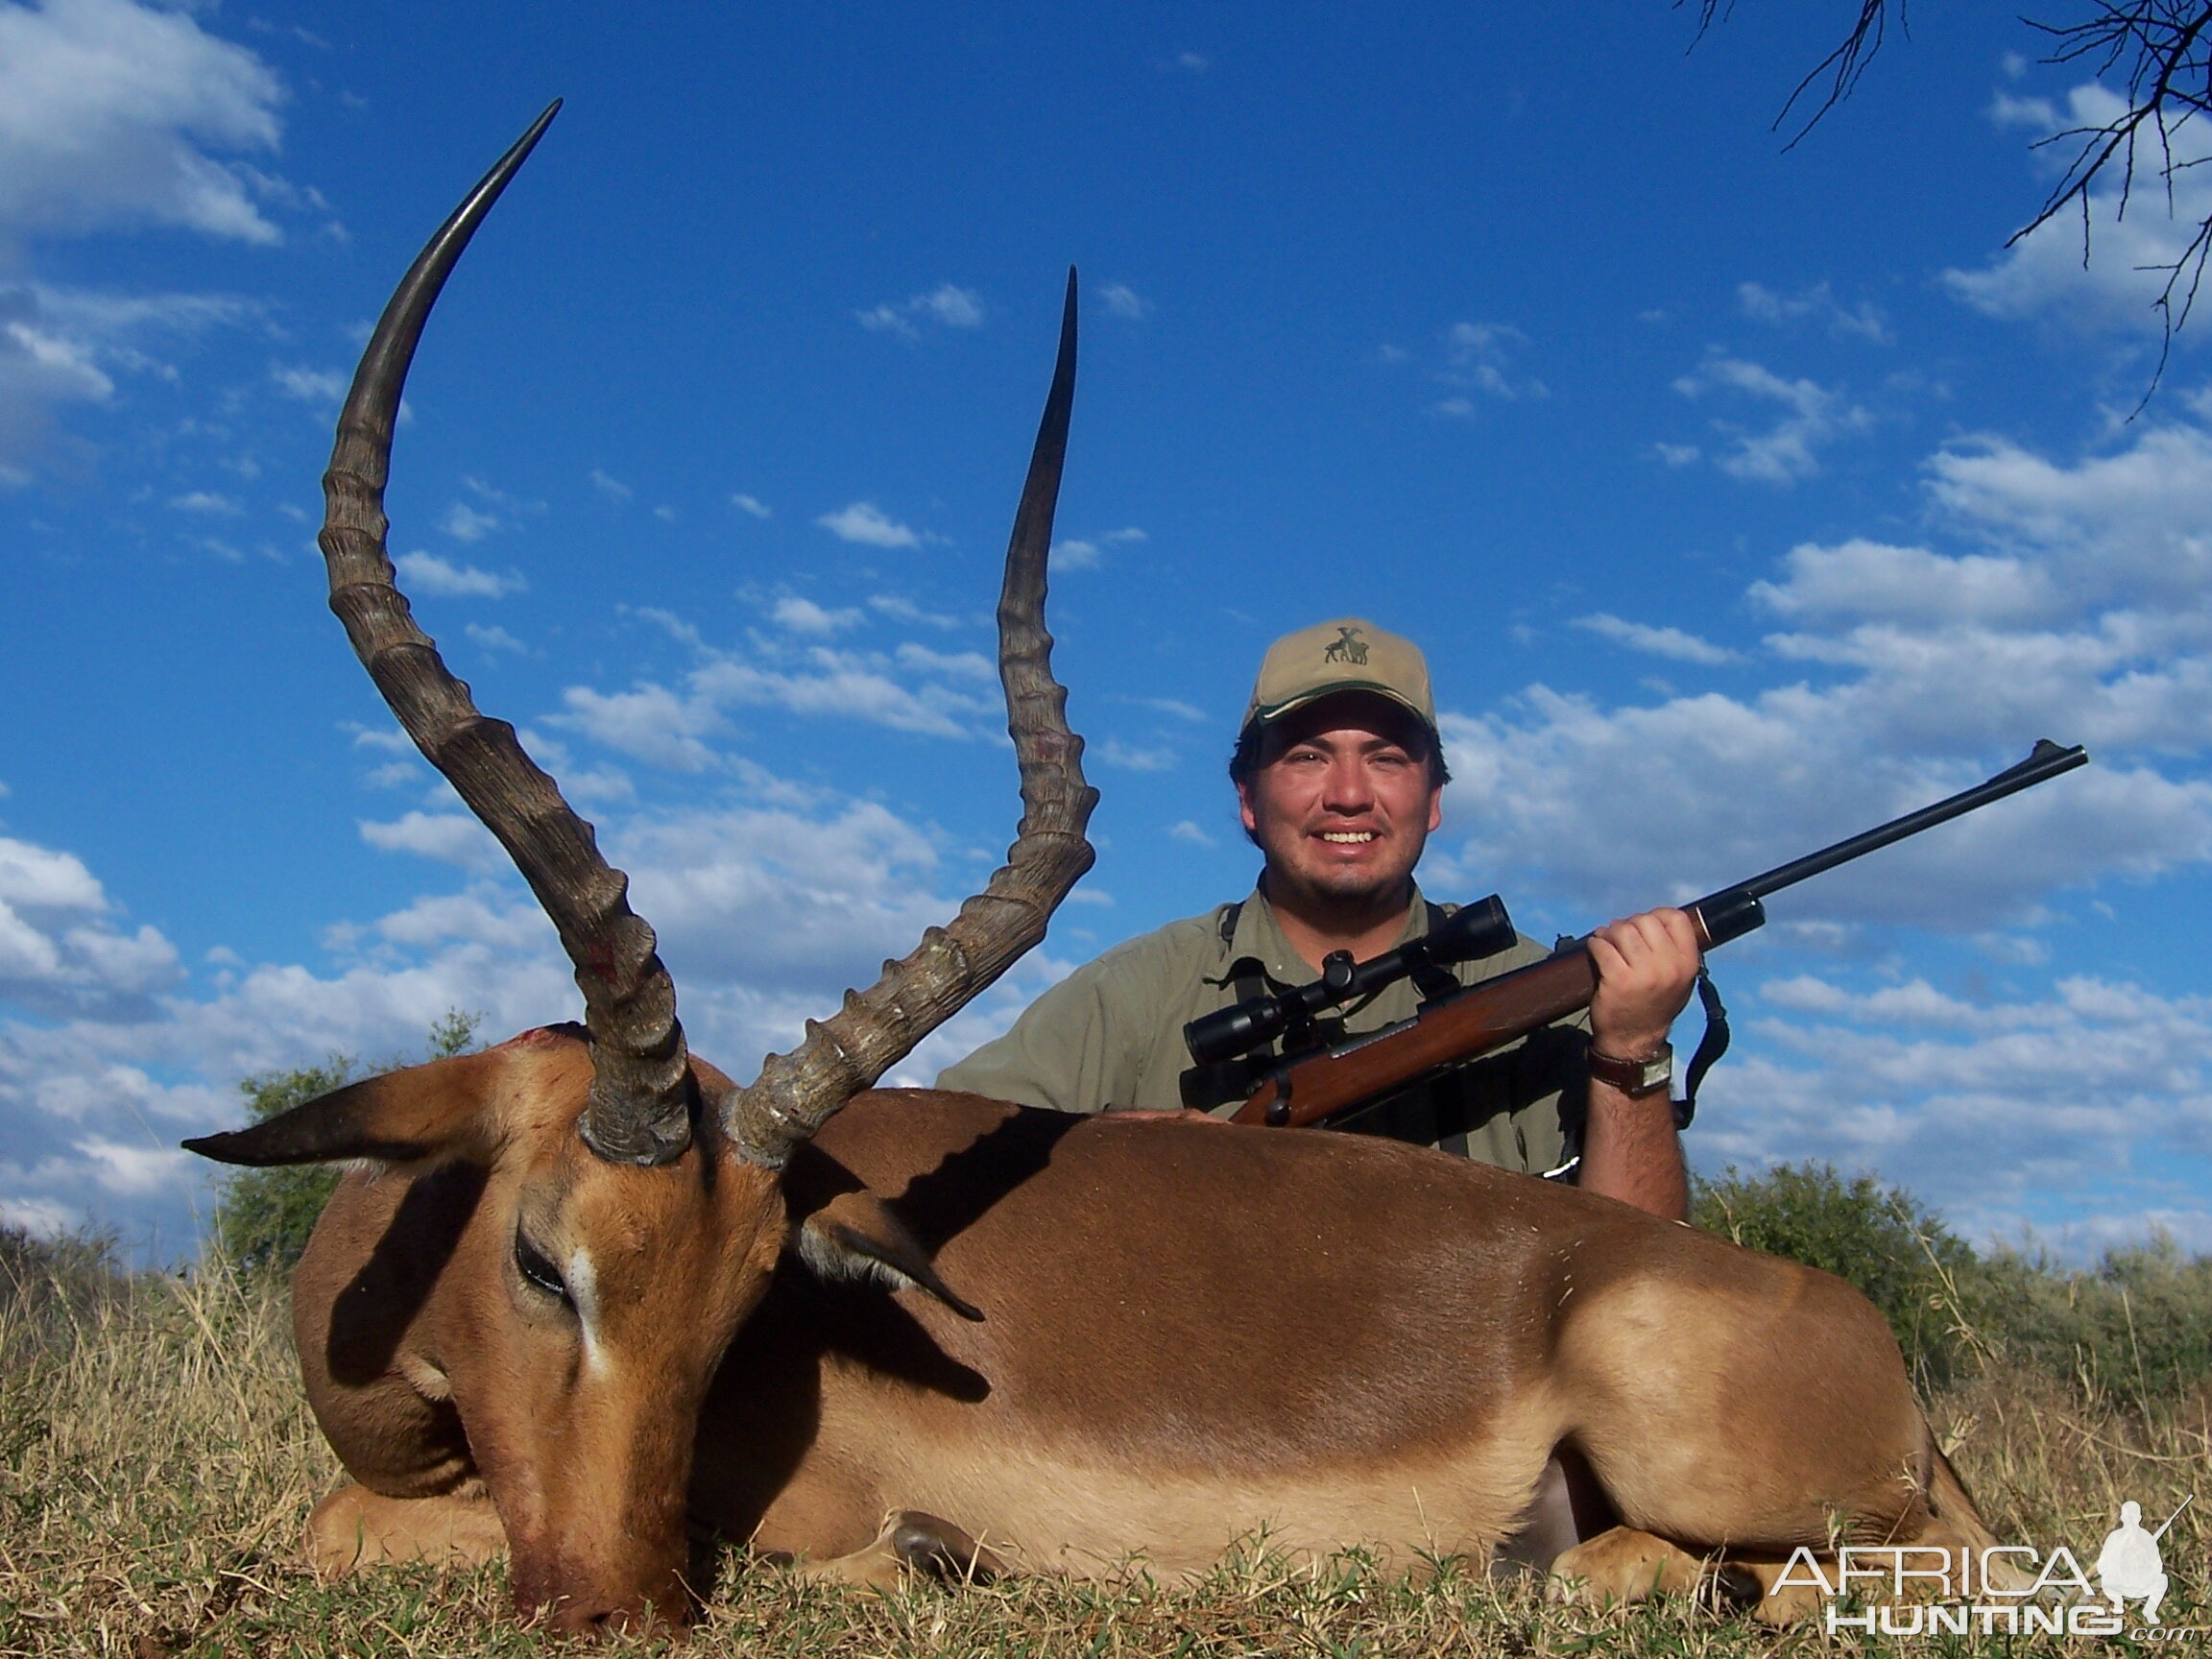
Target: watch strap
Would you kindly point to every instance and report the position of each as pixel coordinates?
(1634, 1077)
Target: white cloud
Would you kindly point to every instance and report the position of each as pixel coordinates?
(1990, 1104)
(1128, 758)
(109, 115)
(1088, 553)
(466, 523)
(613, 488)
(900, 609)
(61, 951)
(946, 305)
(131, 1171)
(448, 837)
(1478, 357)
(1672, 642)
(1186, 831)
(849, 686)
(905, 690)
(1818, 304)
(1190, 63)
(751, 506)
(2139, 518)
(309, 385)
(1872, 581)
(955, 664)
(442, 578)
(2045, 274)
(1814, 418)
(207, 501)
(389, 738)
(494, 639)
(805, 616)
(649, 723)
(2083, 611)
(41, 1218)
(1123, 301)
(865, 523)
(59, 347)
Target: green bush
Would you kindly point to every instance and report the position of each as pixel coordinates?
(263, 1216)
(1899, 1254)
(2137, 1325)
(50, 1285)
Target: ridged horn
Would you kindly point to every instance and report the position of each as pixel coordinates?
(641, 1102)
(796, 1093)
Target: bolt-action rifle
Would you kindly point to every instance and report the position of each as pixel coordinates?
(1323, 1081)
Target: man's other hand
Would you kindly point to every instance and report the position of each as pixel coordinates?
(1647, 966)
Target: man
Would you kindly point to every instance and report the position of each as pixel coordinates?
(1339, 778)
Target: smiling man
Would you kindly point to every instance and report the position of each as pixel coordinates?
(1339, 779)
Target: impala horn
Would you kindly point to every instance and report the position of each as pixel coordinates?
(797, 1092)
(639, 1110)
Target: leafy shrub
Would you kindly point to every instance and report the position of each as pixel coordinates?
(263, 1216)
(1898, 1255)
(2137, 1325)
(50, 1285)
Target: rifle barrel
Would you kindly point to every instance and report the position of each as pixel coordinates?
(2047, 761)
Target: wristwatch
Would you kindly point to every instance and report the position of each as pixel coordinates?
(1635, 1077)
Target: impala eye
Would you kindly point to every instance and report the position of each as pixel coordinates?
(535, 1265)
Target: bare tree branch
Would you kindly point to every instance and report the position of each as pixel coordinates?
(2166, 48)
(1841, 68)
(2163, 51)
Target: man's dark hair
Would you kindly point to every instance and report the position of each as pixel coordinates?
(1244, 758)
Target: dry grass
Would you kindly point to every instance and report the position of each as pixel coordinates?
(156, 1463)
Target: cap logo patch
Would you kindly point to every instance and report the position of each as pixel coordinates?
(1346, 647)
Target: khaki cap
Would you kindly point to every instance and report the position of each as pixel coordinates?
(1346, 655)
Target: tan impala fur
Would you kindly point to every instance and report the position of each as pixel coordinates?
(579, 1295)
(1191, 1333)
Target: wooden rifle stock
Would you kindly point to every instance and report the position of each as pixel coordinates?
(1473, 1023)
(1311, 1086)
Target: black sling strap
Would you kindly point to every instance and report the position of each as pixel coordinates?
(1710, 1047)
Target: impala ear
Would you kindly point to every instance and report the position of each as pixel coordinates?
(395, 1119)
(855, 1236)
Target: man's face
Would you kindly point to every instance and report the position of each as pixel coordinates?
(1341, 803)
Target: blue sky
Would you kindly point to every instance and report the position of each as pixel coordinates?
(1742, 497)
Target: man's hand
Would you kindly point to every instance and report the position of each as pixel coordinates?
(1646, 968)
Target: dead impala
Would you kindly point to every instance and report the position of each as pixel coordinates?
(579, 1294)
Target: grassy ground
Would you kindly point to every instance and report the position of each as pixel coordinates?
(156, 1463)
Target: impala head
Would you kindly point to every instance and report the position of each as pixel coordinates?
(590, 1213)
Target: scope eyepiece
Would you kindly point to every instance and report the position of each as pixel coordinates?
(1235, 1030)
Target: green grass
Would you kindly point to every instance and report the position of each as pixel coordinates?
(158, 1463)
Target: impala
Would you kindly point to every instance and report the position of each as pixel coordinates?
(580, 1297)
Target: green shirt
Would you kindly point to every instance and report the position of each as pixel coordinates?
(1110, 1036)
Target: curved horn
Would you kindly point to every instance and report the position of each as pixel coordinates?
(796, 1093)
(639, 1110)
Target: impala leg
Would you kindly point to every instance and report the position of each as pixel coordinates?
(357, 1527)
(1620, 1565)
(910, 1542)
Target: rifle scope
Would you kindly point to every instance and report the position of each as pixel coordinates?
(1469, 934)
